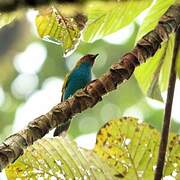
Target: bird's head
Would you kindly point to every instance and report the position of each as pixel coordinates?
(88, 59)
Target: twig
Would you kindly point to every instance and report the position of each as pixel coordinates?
(168, 108)
(88, 97)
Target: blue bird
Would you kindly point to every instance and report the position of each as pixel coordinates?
(77, 79)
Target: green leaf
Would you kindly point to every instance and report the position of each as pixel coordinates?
(59, 158)
(153, 75)
(53, 26)
(107, 18)
(148, 73)
(154, 14)
(7, 18)
(166, 67)
(131, 147)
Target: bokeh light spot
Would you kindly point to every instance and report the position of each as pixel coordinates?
(31, 60)
(31, 15)
(86, 141)
(24, 85)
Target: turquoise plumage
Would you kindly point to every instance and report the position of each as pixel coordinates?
(77, 79)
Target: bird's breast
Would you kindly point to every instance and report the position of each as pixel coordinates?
(77, 80)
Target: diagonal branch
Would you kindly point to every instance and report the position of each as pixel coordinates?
(14, 145)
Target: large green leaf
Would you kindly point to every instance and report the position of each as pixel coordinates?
(147, 74)
(53, 26)
(131, 147)
(59, 158)
(107, 18)
(166, 67)
(154, 14)
(153, 76)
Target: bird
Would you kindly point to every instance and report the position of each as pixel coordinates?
(77, 79)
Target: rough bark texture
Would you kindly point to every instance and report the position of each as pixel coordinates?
(14, 145)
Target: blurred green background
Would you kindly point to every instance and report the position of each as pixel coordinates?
(32, 73)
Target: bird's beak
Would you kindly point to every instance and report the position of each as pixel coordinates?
(94, 57)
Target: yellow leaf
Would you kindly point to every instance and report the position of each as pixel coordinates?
(131, 147)
(53, 26)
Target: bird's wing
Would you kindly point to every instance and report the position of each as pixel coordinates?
(66, 79)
